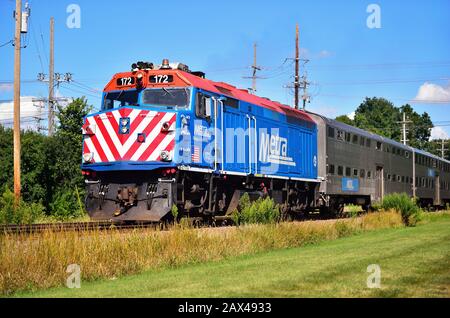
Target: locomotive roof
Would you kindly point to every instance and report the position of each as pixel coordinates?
(367, 134)
(182, 78)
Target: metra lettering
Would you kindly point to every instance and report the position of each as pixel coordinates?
(273, 149)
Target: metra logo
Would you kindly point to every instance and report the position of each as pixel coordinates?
(274, 149)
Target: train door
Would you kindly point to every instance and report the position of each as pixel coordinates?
(207, 134)
(437, 190)
(252, 144)
(234, 141)
(379, 183)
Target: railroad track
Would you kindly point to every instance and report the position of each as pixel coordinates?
(109, 225)
(70, 226)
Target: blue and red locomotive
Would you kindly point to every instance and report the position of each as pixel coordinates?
(166, 137)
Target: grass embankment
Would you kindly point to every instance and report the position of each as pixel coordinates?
(31, 262)
(414, 262)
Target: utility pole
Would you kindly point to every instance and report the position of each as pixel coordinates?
(17, 47)
(255, 68)
(297, 62)
(404, 122)
(300, 82)
(51, 74)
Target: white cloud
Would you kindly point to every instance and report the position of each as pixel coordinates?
(307, 54)
(324, 54)
(351, 115)
(433, 92)
(28, 110)
(6, 87)
(438, 133)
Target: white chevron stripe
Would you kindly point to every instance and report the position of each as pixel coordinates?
(151, 136)
(144, 123)
(102, 142)
(162, 145)
(113, 134)
(91, 147)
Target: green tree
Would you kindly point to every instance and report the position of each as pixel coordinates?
(419, 131)
(65, 150)
(379, 116)
(345, 119)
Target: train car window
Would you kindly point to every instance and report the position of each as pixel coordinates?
(398, 152)
(399, 178)
(362, 173)
(202, 106)
(330, 132)
(369, 174)
(387, 149)
(403, 179)
(340, 170)
(355, 139)
(378, 145)
(368, 142)
(348, 171)
(231, 102)
(331, 169)
(355, 172)
(362, 141)
(406, 154)
(347, 137)
(120, 99)
(389, 177)
(167, 97)
(340, 135)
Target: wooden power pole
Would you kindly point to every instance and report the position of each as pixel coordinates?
(297, 62)
(255, 68)
(51, 74)
(17, 47)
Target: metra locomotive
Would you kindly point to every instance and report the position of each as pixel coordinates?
(167, 137)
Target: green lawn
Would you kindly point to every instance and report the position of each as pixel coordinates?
(415, 262)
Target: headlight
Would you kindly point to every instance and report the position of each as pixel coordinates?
(88, 157)
(165, 155)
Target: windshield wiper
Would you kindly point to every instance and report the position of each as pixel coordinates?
(167, 91)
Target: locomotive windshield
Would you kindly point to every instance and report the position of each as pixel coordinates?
(120, 99)
(171, 97)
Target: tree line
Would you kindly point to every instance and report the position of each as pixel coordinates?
(50, 166)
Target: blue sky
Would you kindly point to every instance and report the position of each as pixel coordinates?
(407, 58)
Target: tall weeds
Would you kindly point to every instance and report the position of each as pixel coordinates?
(37, 261)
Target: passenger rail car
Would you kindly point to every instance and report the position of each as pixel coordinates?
(360, 167)
(167, 138)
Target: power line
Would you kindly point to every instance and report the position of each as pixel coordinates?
(5, 44)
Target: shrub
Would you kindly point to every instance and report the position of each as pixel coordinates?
(25, 213)
(66, 205)
(402, 203)
(353, 210)
(259, 211)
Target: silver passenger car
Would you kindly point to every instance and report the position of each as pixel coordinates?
(360, 167)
